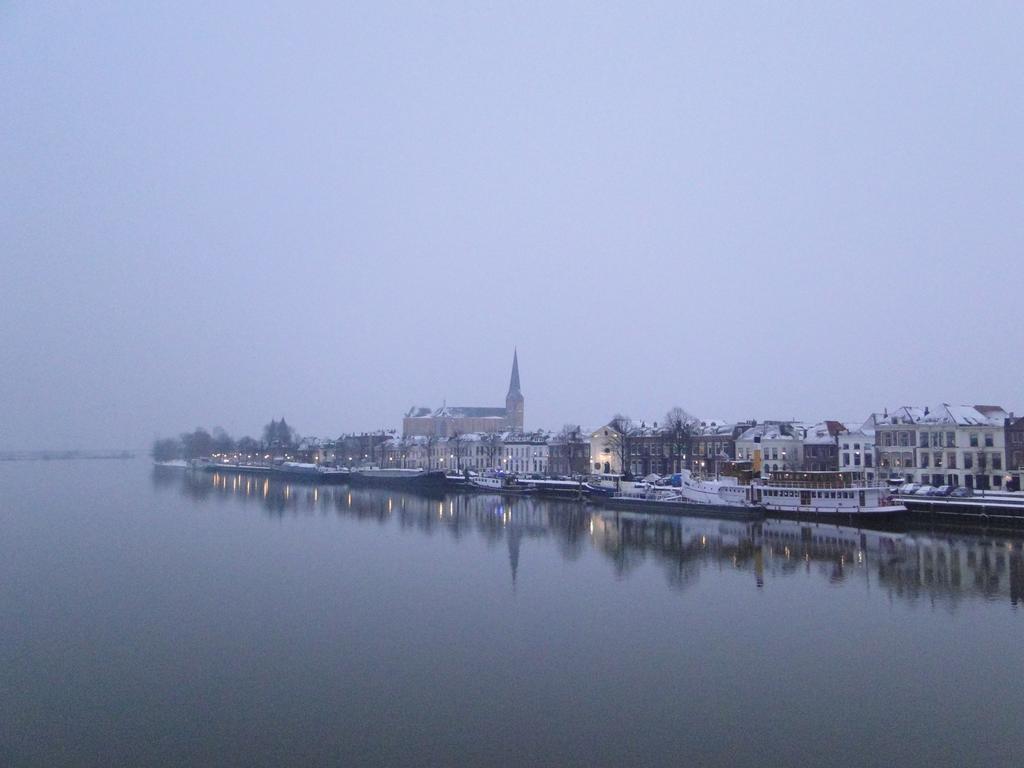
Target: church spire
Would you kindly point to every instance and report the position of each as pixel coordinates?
(514, 401)
(513, 382)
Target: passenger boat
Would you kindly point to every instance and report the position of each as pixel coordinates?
(823, 494)
(833, 495)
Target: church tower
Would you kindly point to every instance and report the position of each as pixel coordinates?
(514, 402)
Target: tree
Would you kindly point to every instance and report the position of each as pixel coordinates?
(166, 449)
(458, 444)
(492, 446)
(621, 439)
(277, 434)
(680, 426)
(222, 442)
(248, 445)
(196, 444)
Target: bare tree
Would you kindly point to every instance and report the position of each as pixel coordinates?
(680, 426)
(458, 444)
(492, 445)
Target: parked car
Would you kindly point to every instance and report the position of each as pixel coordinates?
(924, 490)
(961, 493)
(943, 490)
(909, 487)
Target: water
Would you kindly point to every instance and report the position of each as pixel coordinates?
(215, 620)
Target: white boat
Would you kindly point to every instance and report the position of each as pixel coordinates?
(722, 491)
(823, 494)
(786, 493)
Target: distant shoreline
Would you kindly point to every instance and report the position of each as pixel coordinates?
(65, 455)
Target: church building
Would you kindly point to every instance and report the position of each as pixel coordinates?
(449, 420)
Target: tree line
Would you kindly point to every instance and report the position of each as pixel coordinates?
(201, 442)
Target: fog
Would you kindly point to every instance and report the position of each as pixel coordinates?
(216, 214)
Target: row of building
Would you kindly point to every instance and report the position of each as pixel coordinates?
(977, 446)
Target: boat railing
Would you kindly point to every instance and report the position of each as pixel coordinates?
(809, 485)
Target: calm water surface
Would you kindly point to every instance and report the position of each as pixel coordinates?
(164, 619)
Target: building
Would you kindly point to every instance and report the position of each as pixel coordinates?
(569, 453)
(821, 447)
(857, 449)
(713, 443)
(1013, 428)
(946, 445)
(606, 447)
(448, 420)
(359, 449)
(525, 453)
(773, 446)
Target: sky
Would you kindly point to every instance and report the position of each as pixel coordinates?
(220, 213)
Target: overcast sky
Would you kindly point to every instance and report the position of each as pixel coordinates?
(215, 213)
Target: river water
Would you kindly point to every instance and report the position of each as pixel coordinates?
(216, 620)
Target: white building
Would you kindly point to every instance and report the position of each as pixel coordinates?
(857, 449)
(778, 445)
(525, 453)
(605, 454)
(944, 445)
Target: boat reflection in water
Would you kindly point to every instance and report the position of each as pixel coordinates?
(912, 565)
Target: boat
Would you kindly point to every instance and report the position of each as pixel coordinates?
(671, 502)
(334, 474)
(572, 490)
(725, 491)
(609, 484)
(401, 478)
(298, 469)
(506, 484)
(823, 494)
(171, 464)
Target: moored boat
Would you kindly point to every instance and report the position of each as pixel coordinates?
(404, 478)
(506, 484)
(823, 494)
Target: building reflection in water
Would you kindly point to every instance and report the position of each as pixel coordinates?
(937, 567)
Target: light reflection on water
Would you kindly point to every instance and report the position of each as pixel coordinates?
(906, 565)
(223, 619)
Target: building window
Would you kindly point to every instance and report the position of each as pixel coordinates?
(951, 460)
(989, 442)
(924, 440)
(973, 439)
(951, 439)
(968, 461)
(997, 461)
(846, 459)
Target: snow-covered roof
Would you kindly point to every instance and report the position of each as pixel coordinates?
(823, 433)
(953, 415)
(771, 432)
